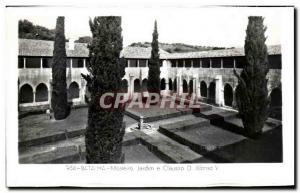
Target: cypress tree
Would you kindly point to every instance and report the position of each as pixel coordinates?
(59, 99)
(252, 93)
(154, 64)
(105, 128)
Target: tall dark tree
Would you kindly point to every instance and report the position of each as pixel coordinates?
(154, 64)
(59, 99)
(105, 128)
(252, 93)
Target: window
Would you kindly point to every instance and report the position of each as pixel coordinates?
(77, 63)
(180, 63)
(216, 62)
(132, 63)
(73, 91)
(173, 63)
(143, 63)
(228, 62)
(20, 62)
(275, 61)
(188, 63)
(240, 62)
(33, 62)
(47, 62)
(205, 63)
(196, 63)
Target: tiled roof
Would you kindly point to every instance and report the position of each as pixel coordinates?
(272, 50)
(29, 47)
(141, 52)
(45, 48)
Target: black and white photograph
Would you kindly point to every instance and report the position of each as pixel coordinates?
(150, 93)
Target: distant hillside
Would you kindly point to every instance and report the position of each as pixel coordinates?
(28, 30)
(177, 47)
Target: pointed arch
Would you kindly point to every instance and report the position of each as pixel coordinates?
(26, 94)
(41, 93)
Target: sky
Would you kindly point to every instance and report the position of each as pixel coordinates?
(213, 26)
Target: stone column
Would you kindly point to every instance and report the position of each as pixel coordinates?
(180, 85)
(34, 96)
(221, 63)
(24, 60)
(84, 63)
(198, 93)
(167, 84)
(131, 86)
(234, 100)
(50, 92)
(219, 91)
(41, 63)
(234, 63)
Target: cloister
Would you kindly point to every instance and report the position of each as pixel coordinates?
(208, 74)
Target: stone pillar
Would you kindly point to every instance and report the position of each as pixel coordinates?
(50, 93)
(200, 63)
(131, 86)
(41, 63)
(34, 96)
(221, 63)
(195, 78)
(198, 93)
(167, 84)
(84, 63)
(210, 63)
(180, 89)
(234, 100)
(219, 91)
(234, 63)
(24, 60)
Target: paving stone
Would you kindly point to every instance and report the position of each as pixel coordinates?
(186, 124)
(168, 149)
(39, 129)
(156, 113)
(203, 139)
(139, 154)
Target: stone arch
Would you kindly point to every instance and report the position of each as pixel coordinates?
(184, 86)
(228, 95)
(145, 85)
(191, 86)
(124, 86)
(276, 103)
(41, 93)
(73, 90)
(170, 84)
(137, 85)
(162, 84)
(212, 92)
(203, 89)
(26, 94)
(276, 97)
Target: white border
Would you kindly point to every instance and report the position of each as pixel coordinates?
(226, 175)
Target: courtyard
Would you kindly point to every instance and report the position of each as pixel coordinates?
(212, 135)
